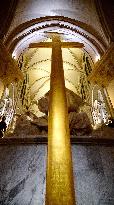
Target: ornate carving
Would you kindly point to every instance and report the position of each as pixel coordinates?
(56, 21)
(103, 71)
(9, 70)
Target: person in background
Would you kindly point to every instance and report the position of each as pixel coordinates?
(3, 127)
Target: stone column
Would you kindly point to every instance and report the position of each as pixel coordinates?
(59, 184)
(1, 88)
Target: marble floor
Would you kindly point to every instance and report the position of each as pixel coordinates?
(23, 168)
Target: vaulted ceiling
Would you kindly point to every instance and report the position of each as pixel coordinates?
(36, 66)
(8, 7)
(30, 21)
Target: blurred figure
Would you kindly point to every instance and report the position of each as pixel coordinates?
(2, 127)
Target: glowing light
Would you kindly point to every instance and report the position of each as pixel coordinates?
(97, 57)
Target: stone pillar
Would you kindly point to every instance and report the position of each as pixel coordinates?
(59, 184)
(1, 88)
(109, 103)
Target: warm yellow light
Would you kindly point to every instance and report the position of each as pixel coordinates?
(59, 185)
(1, 88)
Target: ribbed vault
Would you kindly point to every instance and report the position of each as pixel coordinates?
(35, 63)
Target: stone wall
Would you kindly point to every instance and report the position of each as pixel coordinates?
(1, 88)
(94, 174)
(22, 175)
(23, 168)
(110, 90)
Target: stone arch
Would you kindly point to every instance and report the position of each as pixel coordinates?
(85, 33)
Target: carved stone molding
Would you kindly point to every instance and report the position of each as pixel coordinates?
(103, 71)
(24, 31)
(9, 70)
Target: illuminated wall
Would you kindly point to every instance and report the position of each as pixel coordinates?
(110, 90)
(1, 88)
(36, 66)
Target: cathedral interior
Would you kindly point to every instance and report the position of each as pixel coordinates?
(57, 95)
